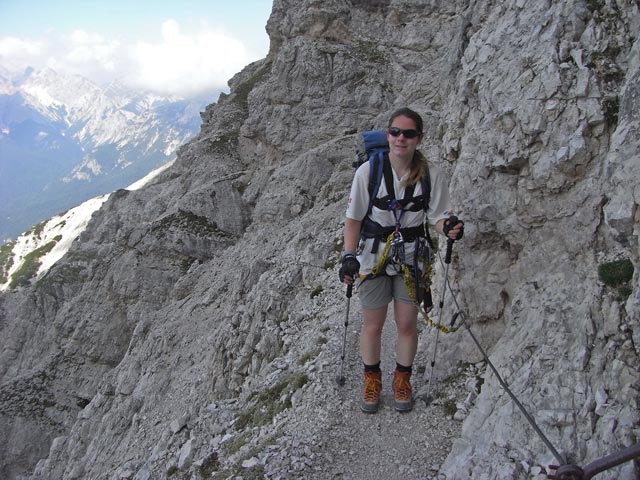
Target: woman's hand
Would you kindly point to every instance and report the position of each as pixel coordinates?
(349, 269)
(453, 228)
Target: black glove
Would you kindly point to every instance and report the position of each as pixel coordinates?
(350, 266)
(451, 222)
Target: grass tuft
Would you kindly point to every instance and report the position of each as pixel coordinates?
(617, 275)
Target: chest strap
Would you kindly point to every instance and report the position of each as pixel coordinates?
(371, 229)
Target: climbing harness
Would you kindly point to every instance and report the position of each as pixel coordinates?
(415, 279)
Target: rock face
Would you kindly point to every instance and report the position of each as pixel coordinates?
(193, 329)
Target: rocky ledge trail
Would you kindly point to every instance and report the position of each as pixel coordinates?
(324, 435)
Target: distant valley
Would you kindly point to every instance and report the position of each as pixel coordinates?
(64, 140)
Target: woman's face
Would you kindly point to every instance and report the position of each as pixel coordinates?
(401, 146)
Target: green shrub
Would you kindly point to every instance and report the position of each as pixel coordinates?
(36, 230)
(188, 222)
(614, 274)
(172, 470)
(308, 356)
(370, 52)
(268, 403)
(595, 5)
(242, 90)
(233, 445)
(31, 263)
(617, 275)
(449, 407)
(6, 260)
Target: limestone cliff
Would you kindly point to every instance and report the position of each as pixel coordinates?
(195, 325)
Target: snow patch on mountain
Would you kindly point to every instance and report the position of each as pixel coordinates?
(150, 176)
(61, 230)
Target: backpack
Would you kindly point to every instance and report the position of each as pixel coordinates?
(372, 146)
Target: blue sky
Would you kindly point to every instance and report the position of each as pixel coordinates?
(177, 46)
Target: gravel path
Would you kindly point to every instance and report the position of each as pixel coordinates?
(354, 445)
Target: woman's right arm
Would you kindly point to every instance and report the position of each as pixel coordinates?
(351, 234)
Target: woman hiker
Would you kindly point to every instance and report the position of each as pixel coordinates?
(373, 225)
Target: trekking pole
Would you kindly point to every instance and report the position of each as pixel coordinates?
(447, 261)
(340, 376)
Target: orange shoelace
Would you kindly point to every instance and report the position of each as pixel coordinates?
(372, 388)
(402, 387)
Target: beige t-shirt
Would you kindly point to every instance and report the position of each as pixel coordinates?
(439, 208)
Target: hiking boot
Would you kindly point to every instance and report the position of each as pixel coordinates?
(403, 399)
(371, 392)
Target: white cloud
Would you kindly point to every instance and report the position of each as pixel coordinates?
(181, 62)
(85, 53)
(187, 62)
(14, 52)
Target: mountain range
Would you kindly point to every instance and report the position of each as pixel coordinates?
(64, 140)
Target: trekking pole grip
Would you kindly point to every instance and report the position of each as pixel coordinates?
(449, 224)
(349, 290)
(447, 257)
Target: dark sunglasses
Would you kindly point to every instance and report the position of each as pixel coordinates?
(409, 133)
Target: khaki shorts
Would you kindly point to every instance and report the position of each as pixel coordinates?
(379, 291)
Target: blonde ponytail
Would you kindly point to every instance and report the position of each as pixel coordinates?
(417, 169)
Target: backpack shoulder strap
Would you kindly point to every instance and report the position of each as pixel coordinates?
(383, 171)
(426, 187)
(388, 178)
(376, 169)
(422, 201)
